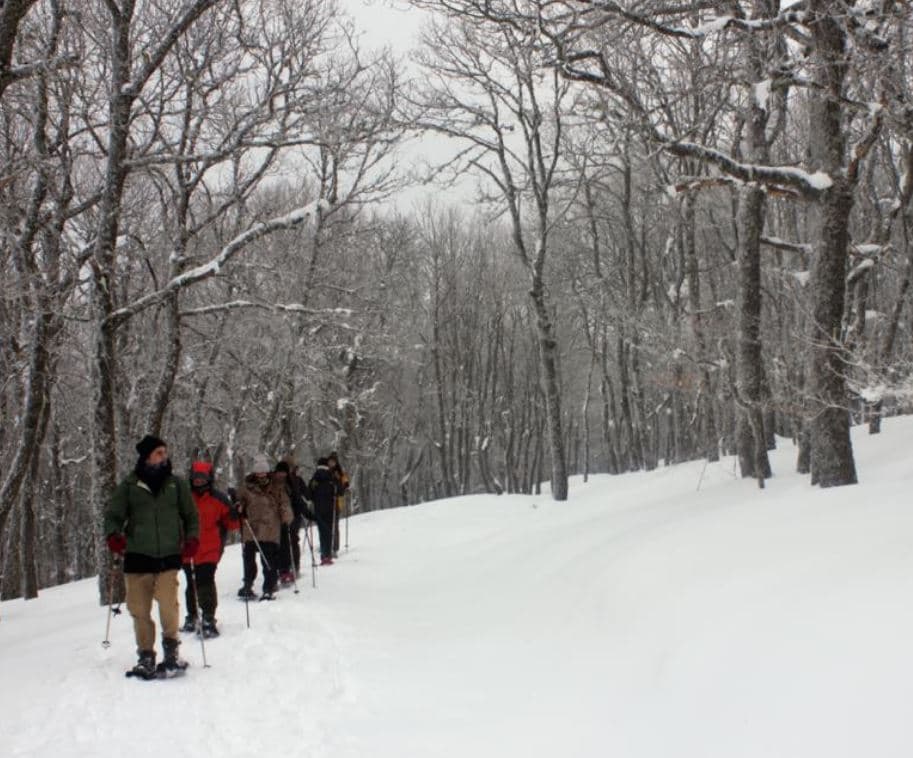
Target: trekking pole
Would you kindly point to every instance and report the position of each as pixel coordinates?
(348, 499)
(307, 534)
(257, 543)
(335, 537)
(112, 611)
(246, 593)
(199, 610)
(291, 559)
(244, 579)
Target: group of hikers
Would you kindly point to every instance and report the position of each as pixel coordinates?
(161, 524)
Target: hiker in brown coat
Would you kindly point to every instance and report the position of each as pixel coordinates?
(263, 507)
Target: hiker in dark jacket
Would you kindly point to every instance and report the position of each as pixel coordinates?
(324, 490)
(342, 486)
(290, 545)
(151, 520)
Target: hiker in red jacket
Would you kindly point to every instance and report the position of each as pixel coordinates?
(217, 518)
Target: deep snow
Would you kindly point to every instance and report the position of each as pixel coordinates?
(643, 618)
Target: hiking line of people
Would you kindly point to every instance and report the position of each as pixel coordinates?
(158, 524)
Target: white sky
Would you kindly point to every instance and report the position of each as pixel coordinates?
(396, 24)
(385, 22)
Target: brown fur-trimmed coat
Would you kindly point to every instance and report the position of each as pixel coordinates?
(265, 508)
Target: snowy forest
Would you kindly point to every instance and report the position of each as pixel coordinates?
(688, 232)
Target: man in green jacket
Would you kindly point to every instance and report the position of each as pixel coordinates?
(151, 520)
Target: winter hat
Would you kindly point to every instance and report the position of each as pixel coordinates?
(261, 465)
(147, 444)
(201, 471)
(282, 466)
(322, 461)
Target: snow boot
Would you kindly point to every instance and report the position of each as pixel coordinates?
(173, 664)
(190, 624)
(209, 627)
(246, 593)
(145, 666)
(286, 578)
(326, 561)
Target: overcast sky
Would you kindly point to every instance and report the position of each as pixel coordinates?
(385, 22)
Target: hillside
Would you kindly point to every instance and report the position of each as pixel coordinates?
(643, 618)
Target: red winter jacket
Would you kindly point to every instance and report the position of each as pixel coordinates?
(214, 512)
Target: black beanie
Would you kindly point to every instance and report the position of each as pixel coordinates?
(147, 444)
(282, 466)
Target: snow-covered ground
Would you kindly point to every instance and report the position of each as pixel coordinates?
(642, 618)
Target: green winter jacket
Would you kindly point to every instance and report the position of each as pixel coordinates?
(154, 525)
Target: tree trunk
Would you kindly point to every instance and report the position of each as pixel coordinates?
(832, 452)
(172, 338)
(750, 431)
(548, 356)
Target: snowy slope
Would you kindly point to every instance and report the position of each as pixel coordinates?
(643, 618)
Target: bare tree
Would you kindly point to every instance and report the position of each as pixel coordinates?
(488, 88)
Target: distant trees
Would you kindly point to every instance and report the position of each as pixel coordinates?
(723, 111)
(487, 86)
(692, 236)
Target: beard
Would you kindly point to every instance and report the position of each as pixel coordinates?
(154, 477)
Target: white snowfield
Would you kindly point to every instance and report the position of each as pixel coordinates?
(642, 618)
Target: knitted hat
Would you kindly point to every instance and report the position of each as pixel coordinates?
(201, 471)
(282, 466)
(261, 465)
(147, 444)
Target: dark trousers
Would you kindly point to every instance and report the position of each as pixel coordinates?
(325, 530)
(206, 589)
(309, 536)
(270, 561)
(290, 548)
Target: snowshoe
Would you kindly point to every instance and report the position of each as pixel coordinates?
(246, 593)
(166, 670)
(209, 629)
(173, 665)
(190, 624)
(145, 666)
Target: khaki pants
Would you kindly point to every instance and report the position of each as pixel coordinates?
(142, 589)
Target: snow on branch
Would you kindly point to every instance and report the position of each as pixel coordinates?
(869, 250)
(231, 305)
(809, 185)
(859, 269)
(791, 247)
(792, 15)
(861, 149)
(211, 268)
(26, 70)
(795, 14)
